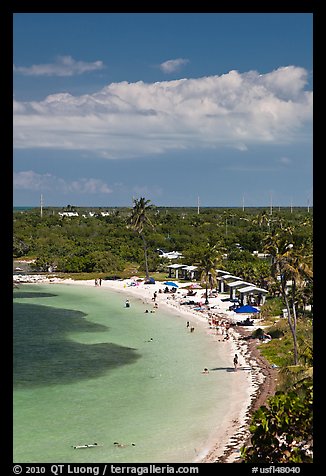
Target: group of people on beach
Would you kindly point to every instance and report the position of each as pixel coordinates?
(191, 328)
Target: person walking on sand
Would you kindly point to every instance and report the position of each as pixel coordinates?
(235, 362)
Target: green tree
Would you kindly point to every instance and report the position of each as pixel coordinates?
(139, 221)
(282, 432)
(20, 248)
(208, 262)
(291, 268)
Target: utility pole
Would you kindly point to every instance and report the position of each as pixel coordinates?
(41, 208)
(271, 207)
(198, 205)
(243, 207)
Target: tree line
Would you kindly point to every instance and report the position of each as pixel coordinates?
(110, 245)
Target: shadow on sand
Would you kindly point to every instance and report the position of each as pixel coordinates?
(230, 369)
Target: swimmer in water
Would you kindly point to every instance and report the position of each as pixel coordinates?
(78, 447)
(120, 445)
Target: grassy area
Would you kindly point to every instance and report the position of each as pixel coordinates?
(272, 308)
(279, 350)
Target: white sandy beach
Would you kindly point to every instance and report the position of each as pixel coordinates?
(231, 435)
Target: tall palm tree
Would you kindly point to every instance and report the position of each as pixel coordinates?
(139, 220)
(261, 219)
(291, 267)
(207, 264)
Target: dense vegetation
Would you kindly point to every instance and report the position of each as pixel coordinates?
(106, 244)
(125, 242)
(282, 433)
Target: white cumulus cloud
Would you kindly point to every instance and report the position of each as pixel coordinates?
(170, 66)
(137, 119)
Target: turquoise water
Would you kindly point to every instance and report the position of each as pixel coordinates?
(85, 371)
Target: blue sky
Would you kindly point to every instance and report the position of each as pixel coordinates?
(170, 106)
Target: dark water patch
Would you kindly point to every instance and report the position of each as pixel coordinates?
(45, 355)
(27, 294)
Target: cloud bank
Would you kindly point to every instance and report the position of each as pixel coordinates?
(64, 66)
(30, 180)
(138, 119)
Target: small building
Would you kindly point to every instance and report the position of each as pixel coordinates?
(262, 255)
(174, 270)
(221, 272)
(252, 295)
(68, 214)
(224, 279)
(234, 285)
(189, 273)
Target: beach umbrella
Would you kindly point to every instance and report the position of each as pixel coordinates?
(246, 309)
(171, 283)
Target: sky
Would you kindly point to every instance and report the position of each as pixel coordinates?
(179, 108)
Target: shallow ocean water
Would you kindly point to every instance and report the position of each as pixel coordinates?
(86, 371)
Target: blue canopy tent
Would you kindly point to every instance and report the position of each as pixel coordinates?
(171, 283)
(246, 309)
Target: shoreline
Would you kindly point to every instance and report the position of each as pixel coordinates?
(260, 378)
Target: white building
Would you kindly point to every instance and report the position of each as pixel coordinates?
(68, 214)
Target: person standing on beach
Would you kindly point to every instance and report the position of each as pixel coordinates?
(235, 362)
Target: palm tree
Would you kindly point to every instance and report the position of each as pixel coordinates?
(292, 267)
(207, 263)
(139, 220)
(261, 219)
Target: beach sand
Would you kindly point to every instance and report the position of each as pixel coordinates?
(251, 388)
